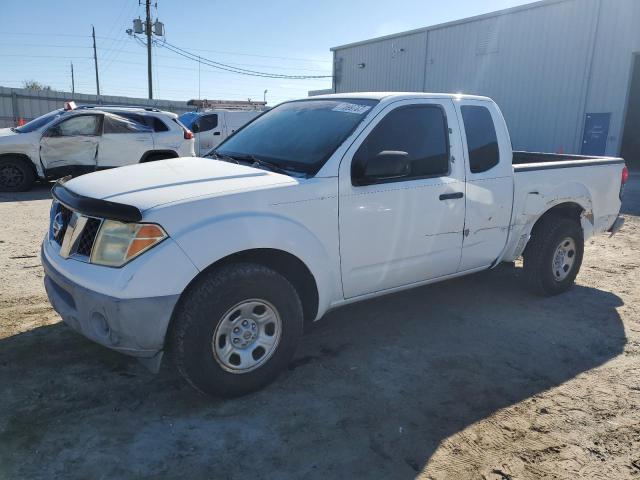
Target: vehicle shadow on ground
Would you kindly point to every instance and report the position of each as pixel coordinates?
(373, 391)
(40, 191)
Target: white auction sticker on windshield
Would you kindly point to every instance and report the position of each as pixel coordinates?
(351, 108)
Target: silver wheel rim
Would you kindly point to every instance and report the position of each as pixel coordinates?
(563, 259)
(247, 336)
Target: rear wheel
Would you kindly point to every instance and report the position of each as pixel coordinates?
(553, 256)
(16, 175)
(236, 329)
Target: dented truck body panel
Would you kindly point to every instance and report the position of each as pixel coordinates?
(588, 185)
(356, 241)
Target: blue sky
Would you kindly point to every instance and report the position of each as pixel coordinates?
(39, 38)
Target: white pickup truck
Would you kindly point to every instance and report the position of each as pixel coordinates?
(317, 203)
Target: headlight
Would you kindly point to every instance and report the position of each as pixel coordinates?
(117, 242)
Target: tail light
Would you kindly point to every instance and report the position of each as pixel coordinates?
(188, 135)
(623, 180)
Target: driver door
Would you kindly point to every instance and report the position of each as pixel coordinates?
(408, 228)
(73, 142)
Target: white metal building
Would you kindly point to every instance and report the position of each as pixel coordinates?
(566, 73)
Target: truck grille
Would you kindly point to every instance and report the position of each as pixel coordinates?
(60, 218)
(85, 243)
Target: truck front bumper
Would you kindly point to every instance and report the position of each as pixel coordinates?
(126, 309)
(134, 326)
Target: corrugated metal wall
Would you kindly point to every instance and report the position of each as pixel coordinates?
(618, 39)
(396, 65)
(28, 104)
(546, 65)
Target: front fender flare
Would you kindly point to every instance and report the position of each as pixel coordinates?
(214, 239)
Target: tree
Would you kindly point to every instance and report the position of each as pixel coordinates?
(34, 85)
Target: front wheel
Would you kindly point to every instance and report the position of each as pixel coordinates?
(16, 175)
(236, 329)
(553, 256)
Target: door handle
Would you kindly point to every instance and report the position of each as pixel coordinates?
(451, 196)
(216, 133)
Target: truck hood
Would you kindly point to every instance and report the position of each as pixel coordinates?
(158, 183)
(6, 132)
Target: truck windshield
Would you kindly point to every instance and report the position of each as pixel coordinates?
(39, 122)
(299, 135)
(187, 119)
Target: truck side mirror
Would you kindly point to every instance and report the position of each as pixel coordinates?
(386, 165)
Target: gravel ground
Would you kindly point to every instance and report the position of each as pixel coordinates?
(471, 378)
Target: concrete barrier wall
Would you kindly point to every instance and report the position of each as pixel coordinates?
(20, 103)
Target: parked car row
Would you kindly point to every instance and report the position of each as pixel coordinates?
(77, 140)
(314, 204)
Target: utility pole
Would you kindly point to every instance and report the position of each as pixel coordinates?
(73, 83)
(95, 60)
(148, 32)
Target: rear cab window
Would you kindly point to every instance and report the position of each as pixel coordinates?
(482, 140)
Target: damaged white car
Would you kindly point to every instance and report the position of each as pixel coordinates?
(78, 140)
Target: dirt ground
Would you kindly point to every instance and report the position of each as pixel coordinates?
(471, 378)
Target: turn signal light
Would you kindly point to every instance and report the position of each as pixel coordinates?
(145, 237)
(188, 135)
(625, 175)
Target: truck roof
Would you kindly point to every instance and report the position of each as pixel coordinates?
(400, 95)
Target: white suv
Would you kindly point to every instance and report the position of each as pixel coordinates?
(77, 140)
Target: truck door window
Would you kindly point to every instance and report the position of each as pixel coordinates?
(159, 125)
(79, 125)
(419, 130)
(482, 140)
(208, 122)
(118, 124)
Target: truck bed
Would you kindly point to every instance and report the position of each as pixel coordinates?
(526, 161)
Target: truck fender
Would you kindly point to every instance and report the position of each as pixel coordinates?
(209, 241)
(539, 202)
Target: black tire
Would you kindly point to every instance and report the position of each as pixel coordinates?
(204, 307)
(542, 276)
(16, 175)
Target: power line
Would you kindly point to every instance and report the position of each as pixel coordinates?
(117, 39)
(230, 68)
(116, 52)
(39, 56)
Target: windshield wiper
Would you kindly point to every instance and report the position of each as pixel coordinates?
(258, 162)
(14, 129)
(271, 166)
(255, 162)
(222, 156)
